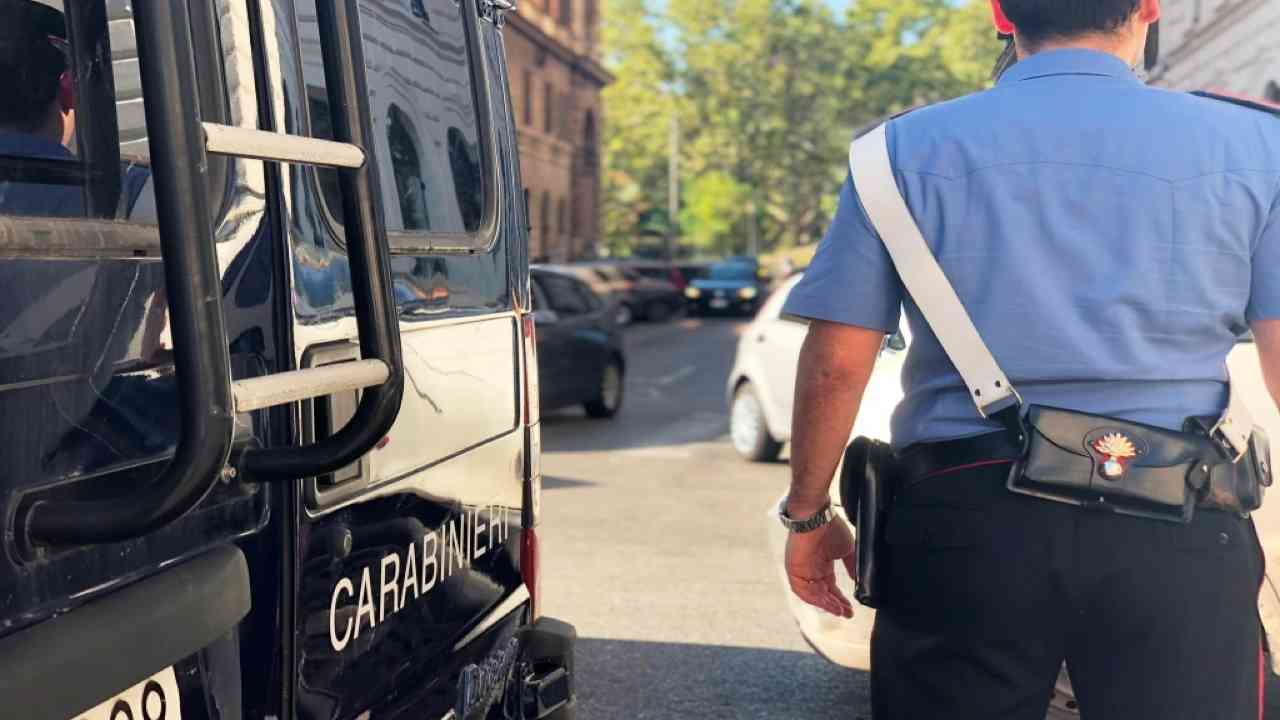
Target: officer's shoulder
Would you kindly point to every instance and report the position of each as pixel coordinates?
(919, 113)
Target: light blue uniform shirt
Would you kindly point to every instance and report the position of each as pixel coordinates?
(1109, 240)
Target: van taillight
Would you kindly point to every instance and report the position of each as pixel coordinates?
(529, 569)
(532, 466)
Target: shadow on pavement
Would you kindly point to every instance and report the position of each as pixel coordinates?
(556, 483)
(629, 679)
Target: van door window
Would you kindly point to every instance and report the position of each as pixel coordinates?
(83, 312)
(73, 139)
(429, 133)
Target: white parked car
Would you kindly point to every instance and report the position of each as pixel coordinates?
(760, 389)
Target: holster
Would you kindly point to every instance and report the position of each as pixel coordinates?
(867, 483)
(1136, 469)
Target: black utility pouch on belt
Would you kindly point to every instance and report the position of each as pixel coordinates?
(1136, 469)
(867, 482)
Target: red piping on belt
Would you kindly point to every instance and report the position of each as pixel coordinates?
(970, 466)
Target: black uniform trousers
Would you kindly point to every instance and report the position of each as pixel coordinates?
(988, 593)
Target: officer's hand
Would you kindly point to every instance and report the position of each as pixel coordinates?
(811, 571)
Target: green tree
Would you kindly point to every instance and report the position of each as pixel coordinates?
(768, 94)
(639, 106)
(714, 212)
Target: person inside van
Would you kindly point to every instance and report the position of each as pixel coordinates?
(38, 115)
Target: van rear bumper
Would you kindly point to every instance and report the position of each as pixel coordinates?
(546, 676)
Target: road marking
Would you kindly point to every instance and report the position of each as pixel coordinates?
(670, 378)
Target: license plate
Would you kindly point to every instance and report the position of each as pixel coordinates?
(719, 303)
(155, 698)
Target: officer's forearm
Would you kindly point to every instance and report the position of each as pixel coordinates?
(1266, 334)
(834, 367)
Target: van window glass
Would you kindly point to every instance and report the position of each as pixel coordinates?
(563, 296)
(427, 128)
(406, 166)
(73, 138)
(731, 271)
(86, 340)
(589, 298)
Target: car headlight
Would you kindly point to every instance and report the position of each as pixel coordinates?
(747, 293)
(692, 293)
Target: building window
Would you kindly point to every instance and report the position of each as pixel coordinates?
(544, 221)
(589, 141)
(589, 20)
(406, 166)
(566, 13)
(562, 220)
(548, 103)
(528, 97)
(468, 176)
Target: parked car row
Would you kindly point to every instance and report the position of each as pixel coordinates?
(647, 292)
(656, 290)
(581, 308)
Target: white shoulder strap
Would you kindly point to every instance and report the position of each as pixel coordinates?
(989, 388)
(872, 170)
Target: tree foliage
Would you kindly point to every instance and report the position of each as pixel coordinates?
(767, 95)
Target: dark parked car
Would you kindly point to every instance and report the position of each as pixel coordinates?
(727, 287)
(693, 269)
(648, 298)
(615, 291)
(580, 357)
(657, 270)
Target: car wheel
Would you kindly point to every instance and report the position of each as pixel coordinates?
(608, 399)
(657, 311)
(623, 316)
(748, 429)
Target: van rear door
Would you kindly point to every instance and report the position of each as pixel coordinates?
(408, 577)
(92, 611)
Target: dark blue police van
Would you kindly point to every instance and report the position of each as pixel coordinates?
(268, 386)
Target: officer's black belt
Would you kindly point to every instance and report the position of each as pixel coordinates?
(1216, 483)
(923, 460)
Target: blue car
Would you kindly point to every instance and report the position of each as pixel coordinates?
(731, 288)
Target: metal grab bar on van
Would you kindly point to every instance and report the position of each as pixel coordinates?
(369, 255)
(207, 397)
(194, 288)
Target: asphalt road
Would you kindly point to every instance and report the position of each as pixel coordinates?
(653, 546)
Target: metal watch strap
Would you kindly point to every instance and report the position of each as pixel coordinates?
(809, 524)
(989, 389)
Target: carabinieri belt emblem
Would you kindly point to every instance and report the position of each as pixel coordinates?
(1118, 451)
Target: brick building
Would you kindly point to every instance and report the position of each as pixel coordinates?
(553, 55)
(1231, 45)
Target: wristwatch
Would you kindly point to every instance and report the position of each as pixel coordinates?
(809, 524)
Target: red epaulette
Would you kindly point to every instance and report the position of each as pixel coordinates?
(1252, 103)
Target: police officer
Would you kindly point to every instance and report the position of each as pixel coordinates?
(1109, 241)
(37, 116)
